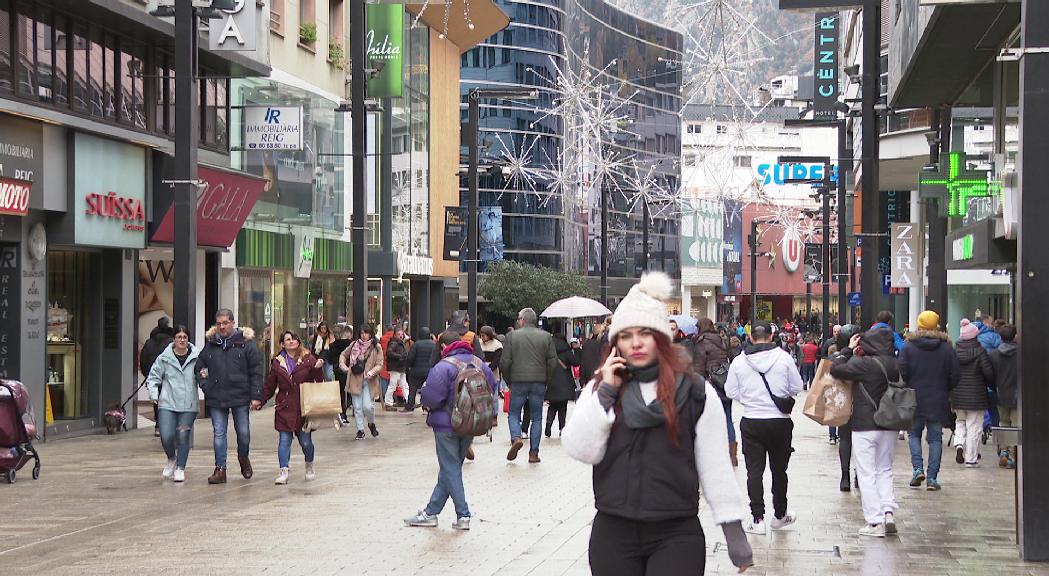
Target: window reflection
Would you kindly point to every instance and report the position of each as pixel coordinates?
(5, 47)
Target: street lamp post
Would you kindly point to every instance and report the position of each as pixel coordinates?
(185, 182)
(358, 149)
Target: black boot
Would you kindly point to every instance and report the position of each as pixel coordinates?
(844, 485)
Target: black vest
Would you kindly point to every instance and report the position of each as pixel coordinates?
(643, 475)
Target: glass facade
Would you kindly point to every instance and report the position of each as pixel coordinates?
(411, 147)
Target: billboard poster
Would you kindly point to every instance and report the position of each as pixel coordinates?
(732, 245)
(156, 290)
(490, 240)
(385, 46)
(454, 233)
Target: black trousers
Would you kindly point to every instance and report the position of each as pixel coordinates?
(767, 439)
(344, 396)
(414, 385)
(845, 450)
(559, 409)
(623, 547)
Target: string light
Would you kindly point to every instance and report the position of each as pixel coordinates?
(466, 15)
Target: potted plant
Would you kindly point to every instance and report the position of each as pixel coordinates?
(336, 53)
(308, 33)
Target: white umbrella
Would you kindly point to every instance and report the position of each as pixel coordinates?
(575, 307)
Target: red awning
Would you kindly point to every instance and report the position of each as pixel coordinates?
(223, 205)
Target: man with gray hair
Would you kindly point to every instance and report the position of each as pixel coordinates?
(229, 371)
(528, 362)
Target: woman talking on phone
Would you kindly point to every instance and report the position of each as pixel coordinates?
(655, 434)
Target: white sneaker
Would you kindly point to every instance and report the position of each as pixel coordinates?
(421, 519)
(310, 474)
(180, 475)
(282, 478)
(890, 523)
(875, 531)
(461, 523)
(781, 523)
(169, 470)
(758, 527)
(903, 435)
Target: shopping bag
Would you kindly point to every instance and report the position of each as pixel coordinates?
(320, 398)
(506, 401)
(829, 401)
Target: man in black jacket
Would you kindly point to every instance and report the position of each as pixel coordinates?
(1005, 379)
(929, 364)
(159, 340)
(344, 337)
(229, 371)
(420, 361)
(593, 351)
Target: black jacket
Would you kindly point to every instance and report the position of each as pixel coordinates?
(708, 354)
(688, 343)
(562, 385)
(977, 376)
(396, 356)
(929, 364)
(334, 351)
(229, 370)
(420, 357)
(159, 339)
(1004, 361)
(864, 371)
(590, 359)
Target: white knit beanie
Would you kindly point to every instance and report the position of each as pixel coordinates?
(644, 306)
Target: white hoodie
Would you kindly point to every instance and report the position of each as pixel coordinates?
(745, 385)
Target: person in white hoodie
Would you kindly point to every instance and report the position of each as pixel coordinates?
(655, 434)
(765, 379)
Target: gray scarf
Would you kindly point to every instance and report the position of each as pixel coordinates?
(638, 415)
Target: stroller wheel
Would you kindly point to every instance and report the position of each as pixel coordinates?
(36, 472)
(10, 475)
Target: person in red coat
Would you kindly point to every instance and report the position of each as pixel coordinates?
(292, 366)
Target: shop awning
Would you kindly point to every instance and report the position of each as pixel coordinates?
(222, 207)
(486, 16)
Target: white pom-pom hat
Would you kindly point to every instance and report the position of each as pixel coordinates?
(644, 306)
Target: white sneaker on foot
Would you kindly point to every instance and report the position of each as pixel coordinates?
(282, 478)
(422, 519)
(461, 523)
(875, 530)
(169, 470)
(757, 527)
(310, 473)
(890, 523)
(180, 475)
(781, 523)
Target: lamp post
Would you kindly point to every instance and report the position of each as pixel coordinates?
(472, 141)
(358, 149)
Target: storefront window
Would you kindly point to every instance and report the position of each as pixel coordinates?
(411, 149)
(68, 305)
(5, 47)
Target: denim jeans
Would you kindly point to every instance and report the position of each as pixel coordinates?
(242, 426)
(363, 405)
(531, 393)
(934, 438)
(284, 446)
(329, 371)
(728, 420)
(176, 434)
(451, 451)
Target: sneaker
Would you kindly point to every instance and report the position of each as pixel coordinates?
(959, 456)
(832, 441)
(422, 519)
(169, 470)
(374, 430)
(890, 523)
(972, 464)
(932, 485)
(902, 435)
(917, 477)
(515, 447)
(311, 474)
(180, 475)
(282, 478)
(461, 523)
(757, 527)
(360, 435)
(873, 530)
(781, 523)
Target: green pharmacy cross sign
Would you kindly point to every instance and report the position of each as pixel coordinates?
(957, 185)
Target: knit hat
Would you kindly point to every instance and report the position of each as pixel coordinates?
(969, 330)
(928, 320)
(644, 306)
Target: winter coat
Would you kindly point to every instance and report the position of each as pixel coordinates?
(321, 346)
(528, 356)
(1004, 361)
(709, 353)
(897, 340)
(864, 371)
(159, 340)
(420, 358)
(172, 385)
(929, 364)
(810, 353)
(334, 351)
(593, 352)
(467, 335)
(287, 412)
(744, 382)
(687, 343)
(493, 352)
(396, 356)
(988, 337)
(976, 376)
(562, 385)
(384, 342)
(371, 352)
(229, 370)
(439, 392)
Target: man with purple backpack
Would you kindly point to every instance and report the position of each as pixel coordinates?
(456, 414)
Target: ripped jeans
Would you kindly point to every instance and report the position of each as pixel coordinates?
(176, 434)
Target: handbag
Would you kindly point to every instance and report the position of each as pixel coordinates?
(897, 406)
(320, 399)
(785, 405)
(829, 401)
(358, 367)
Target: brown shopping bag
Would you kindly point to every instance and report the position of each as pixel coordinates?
(320, 399)
(829, 401)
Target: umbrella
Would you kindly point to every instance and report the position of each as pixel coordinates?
(575, 307)
(685, 323)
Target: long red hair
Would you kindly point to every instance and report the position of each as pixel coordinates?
(673, 360)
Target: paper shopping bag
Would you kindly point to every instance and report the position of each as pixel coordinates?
(829, 401)
(320, 398)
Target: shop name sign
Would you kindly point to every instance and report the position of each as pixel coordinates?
(14, 196)
(385, 48)
(779, 173)
(414, 265)
(111, 206)
(825, 65)
(962, 248)
(236, 29)
(273, 127)
(907, 254)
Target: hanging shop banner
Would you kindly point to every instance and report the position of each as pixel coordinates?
(385, 47)
(454, 232)
(732, 247)
(490, 240)
(235, 29)
(825, 65)
(304, 253)
(273, 127)
(223, 204)
(907, 253)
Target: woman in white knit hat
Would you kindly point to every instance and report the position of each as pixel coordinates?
(655, 434)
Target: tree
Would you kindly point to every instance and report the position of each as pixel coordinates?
(511, 286)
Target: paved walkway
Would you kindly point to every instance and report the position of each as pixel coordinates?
(101, 508)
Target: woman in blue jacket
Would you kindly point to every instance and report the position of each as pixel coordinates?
(172, 384)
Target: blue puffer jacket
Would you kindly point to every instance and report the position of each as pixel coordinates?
(439, 392)
(988, 337)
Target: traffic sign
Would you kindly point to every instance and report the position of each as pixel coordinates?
(855, 299)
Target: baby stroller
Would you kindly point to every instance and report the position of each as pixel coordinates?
(17, 431)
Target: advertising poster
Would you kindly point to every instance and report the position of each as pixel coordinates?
(156, 291)
(490, 240)
(733, 247)
(385, 47)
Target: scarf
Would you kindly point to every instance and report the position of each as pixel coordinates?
(290, 361)
(637, 414)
